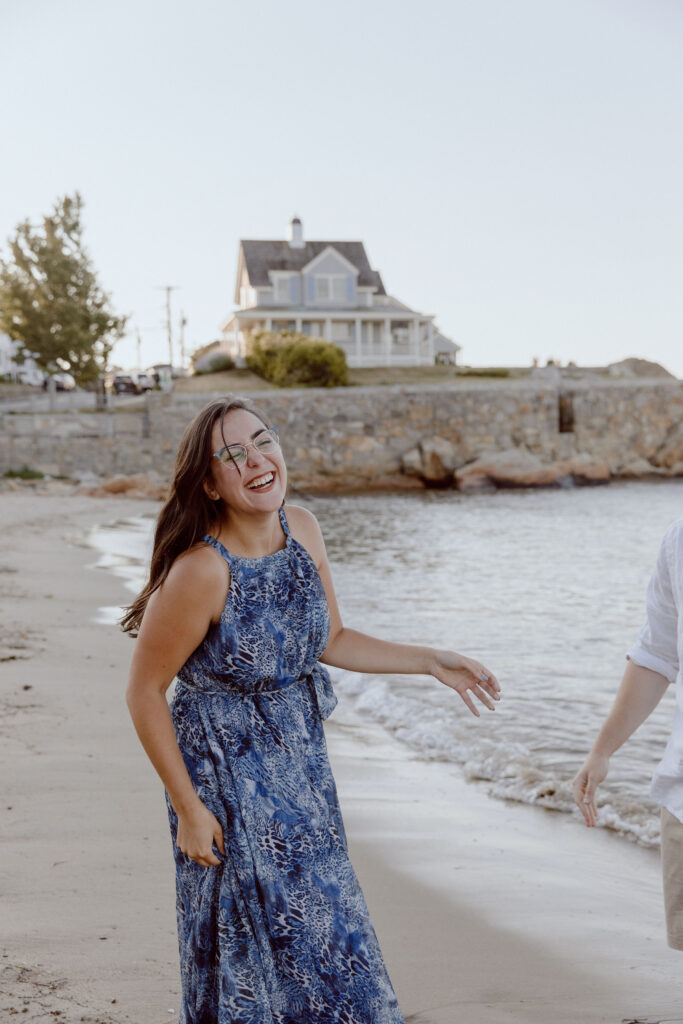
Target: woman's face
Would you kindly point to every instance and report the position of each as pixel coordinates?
(259, 484)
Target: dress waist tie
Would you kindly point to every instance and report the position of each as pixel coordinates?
(318, 678)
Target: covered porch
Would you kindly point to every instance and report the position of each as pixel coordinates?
(368, 339)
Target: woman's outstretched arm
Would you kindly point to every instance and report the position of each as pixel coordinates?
(360, 652)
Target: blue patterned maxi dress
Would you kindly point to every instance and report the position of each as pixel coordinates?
(280, 932)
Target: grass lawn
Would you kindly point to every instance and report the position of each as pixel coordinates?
(230, 381)
(226, 382)
(373, 375)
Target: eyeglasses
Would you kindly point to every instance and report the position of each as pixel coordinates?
(267, 441)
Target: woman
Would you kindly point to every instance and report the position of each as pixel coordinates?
(240, 606)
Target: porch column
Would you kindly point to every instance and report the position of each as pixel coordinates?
(328, 329)
(297, 324)
(415, 339)
(430, 341)
(359, 341)
(269, 323)
(387, 341)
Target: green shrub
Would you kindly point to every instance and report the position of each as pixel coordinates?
(291, 360)
(262, 353)
(24, 474)
(220, 363)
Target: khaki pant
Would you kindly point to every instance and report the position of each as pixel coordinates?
(672, 874)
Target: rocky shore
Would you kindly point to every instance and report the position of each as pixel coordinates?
(434, 463)
(479, 436)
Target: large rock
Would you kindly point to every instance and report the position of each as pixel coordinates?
(633, 367)
(433, 461)
(411, 463)
(439, 460)
(514, 467)
(636, 468)
(670, 452)
(135, 485)
(582, 470)
(517, 467)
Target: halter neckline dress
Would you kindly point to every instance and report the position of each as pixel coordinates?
(280, 932)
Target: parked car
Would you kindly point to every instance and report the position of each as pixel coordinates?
(125, 384)
(132, 383)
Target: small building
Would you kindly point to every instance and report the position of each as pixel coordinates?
(445, 350)
(325, 289)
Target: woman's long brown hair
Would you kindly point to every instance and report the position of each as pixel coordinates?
(188, 513)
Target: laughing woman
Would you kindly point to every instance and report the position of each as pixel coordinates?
(273, 927)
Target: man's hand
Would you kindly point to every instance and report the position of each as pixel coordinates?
(592, 772)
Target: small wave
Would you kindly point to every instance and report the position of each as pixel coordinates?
(508, 766)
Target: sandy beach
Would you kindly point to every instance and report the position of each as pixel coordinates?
(486, 911)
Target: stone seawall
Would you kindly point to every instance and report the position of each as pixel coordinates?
(376, 437)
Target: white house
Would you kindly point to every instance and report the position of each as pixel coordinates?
(327, 290)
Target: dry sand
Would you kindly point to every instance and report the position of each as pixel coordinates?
(486, 912)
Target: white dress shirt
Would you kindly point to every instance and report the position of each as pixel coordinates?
(660, 647)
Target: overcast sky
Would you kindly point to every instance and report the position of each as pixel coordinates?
(514, 167)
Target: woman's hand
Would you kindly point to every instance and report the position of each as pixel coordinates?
(466, 676)
(592, 772)
(197, 830)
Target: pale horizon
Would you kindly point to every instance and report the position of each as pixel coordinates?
(513, 171)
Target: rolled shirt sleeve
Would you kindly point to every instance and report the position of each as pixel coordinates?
(657, 644)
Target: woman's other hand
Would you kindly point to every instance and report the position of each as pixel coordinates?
(198, 829)
(592, 772)
(467, 677)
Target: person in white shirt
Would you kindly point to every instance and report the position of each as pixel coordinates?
(653, 663)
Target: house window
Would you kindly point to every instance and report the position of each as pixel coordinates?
(330, 286)
(282, 288)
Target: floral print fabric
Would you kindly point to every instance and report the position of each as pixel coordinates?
(280, 932)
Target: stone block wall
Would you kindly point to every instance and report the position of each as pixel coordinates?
(357, 437)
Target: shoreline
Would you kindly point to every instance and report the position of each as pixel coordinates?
(478, 480)
(486, 911)
(509, 773)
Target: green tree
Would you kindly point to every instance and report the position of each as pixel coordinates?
(50, 299)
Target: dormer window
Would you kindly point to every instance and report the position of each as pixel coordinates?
(281, 287)
(330, 286)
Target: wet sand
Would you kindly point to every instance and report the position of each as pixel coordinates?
(486, 912)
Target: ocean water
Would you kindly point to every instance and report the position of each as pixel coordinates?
(545, 587)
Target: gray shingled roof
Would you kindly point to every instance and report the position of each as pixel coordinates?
(444, 344)
(262, 255)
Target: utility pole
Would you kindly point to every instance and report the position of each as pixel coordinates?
(168, 288)
(183, 325)
(138, 346)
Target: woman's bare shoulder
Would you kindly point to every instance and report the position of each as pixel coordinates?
(190, 599)
(198, 574)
